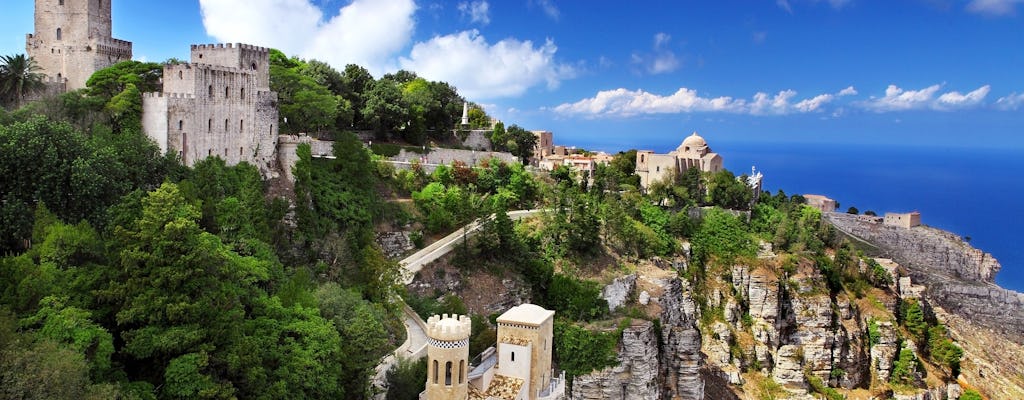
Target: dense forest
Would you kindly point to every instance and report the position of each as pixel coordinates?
(127, 275)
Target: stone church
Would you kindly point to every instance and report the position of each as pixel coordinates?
(72, 40)
(694, 152)
(219, 104)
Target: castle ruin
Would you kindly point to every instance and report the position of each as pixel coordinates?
(219, 104)
(72, 40)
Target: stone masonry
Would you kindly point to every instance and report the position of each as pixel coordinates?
(220, 104)
(73, 39)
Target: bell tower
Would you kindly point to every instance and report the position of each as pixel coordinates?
(72, 40)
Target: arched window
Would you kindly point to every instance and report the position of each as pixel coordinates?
(209, 125)
(435, 372)
(448, 373)
(253, 66)
(462, 370)
(60, 2)
(181, 124)
(226, 89)
(225, 126)
(242, 95)
(239, 151)
(211, 91)
(241, 125)
(59, 34)
(181, 75)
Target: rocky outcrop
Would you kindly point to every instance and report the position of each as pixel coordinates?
(395, 244)
(618, 292)
(884, 353)
(636, 376)
(681, 360)
(955, 275)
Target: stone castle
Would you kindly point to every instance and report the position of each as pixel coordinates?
(525, 330)
(219, 104)
(694, 152)
(73, 39)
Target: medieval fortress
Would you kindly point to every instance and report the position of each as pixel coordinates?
(73, 39)
(220, 104)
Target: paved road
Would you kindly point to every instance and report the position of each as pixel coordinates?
(415, 343)
(414, 263)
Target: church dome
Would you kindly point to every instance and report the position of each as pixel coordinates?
(691, 143)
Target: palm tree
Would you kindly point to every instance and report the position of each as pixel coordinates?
(19, 76)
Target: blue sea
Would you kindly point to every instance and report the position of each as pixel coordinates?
(975, 193)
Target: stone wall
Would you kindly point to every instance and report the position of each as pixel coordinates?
(477, 140)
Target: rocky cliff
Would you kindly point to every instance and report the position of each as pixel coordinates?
(955, 276)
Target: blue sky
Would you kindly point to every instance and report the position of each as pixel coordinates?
(613, 75)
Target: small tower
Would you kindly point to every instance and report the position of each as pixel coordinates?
(448, 357)
(465, 114)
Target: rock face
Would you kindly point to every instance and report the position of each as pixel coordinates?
(395, 244)
(618, 292)
(681, 359)
(636, 376)
(956, 276)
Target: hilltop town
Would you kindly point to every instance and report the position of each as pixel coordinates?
(246, 224)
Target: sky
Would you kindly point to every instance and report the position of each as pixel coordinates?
(613, 75)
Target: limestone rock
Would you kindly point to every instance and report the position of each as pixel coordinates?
(644, 298)
(636, 376)
(617, 293)
(680, 360)
(885, 351)
(395, 244)
(788, 371)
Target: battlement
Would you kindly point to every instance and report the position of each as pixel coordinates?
(219, 68)
(216, 46)
(449, 327)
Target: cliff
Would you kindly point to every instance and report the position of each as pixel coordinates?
(956, 276)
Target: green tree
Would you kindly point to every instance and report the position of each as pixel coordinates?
(970, 394)
(384, 109)
(722, 235)
(19, 77)
(356, 83)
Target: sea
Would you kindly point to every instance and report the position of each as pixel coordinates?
(974, 193)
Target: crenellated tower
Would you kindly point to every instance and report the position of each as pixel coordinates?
(73, 39)
(448, 357)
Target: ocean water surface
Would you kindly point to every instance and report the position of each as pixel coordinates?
(976, 193)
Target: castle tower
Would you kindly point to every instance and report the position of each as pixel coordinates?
(72, 40)
(448, 357)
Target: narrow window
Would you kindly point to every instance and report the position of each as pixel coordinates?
(513, 356)
(181, 124)
(448, 373)
(241, 125)
(226, 90)
(253, 66)
(209, 125)
(225, 126)
(59, 35)
(435, 372)
(211, 91)
(209, 152)
(462, 370)
(242, 96)
(181, 75)
(225, 152)
(60, 2)
(239, 151)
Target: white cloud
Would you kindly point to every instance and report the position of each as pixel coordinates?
(849, 91)
(897, 99)
(549, 8)
(481, 70)
(477, 11)
(662, 60)
(957, 100)
(994, 8)
(815, 103)
(626, 103)
(300, 27)
(1011, 102)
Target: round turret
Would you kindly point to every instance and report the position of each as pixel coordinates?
(448, 357)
